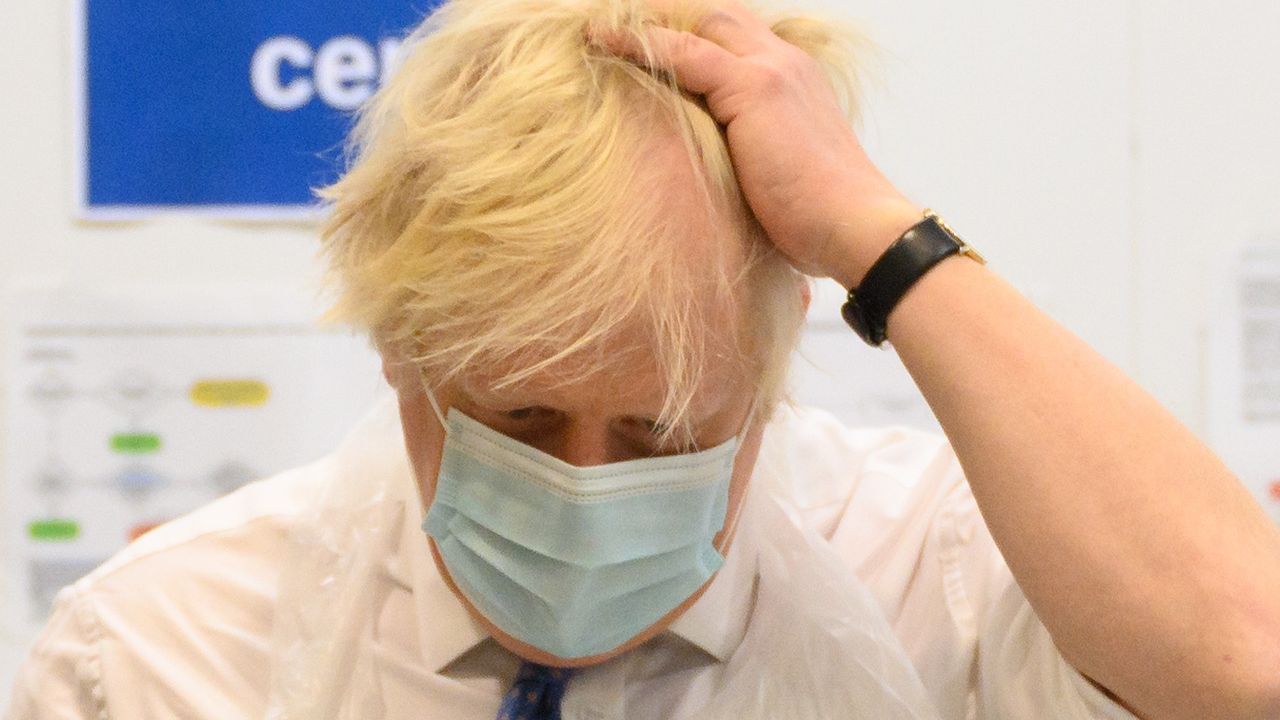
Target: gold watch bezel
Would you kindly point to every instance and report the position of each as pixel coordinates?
(965, 247)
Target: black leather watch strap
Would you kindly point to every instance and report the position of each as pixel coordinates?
(926, 244)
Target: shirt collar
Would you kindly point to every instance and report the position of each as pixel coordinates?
(715, 623)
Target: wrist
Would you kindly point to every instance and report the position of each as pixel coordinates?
(861, 239)
(908, 259)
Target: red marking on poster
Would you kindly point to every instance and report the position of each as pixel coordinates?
(141, 529)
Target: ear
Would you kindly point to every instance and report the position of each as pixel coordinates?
(388, 373)
(395, 366)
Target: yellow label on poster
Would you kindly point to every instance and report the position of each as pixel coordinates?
(230, 393)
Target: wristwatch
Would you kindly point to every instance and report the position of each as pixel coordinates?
(926, 244)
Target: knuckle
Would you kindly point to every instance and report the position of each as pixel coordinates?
(684, 45)
(713, 18)
(772, 78)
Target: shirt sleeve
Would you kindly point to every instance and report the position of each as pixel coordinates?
(60, 679)
(1020, 672)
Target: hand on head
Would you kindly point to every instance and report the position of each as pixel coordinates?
(818, 196)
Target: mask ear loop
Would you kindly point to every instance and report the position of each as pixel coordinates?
(751, 415)
(731, 523)
(435, 406)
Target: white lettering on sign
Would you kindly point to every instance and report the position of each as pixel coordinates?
(345, 68)
(343, 72)
(265, 73)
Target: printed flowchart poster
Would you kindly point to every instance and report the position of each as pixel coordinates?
(127, 409)
(1244, 371)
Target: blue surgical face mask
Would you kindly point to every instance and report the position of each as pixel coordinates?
(574, 561)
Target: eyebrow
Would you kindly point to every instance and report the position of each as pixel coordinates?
(488, 396)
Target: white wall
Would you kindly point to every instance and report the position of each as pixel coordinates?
(1102, 153)
(1013, 121)
(1207, 175)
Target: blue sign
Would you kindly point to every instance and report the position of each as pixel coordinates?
(227, 104)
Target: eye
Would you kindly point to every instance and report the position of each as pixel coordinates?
(534, 412)
(522, 423)
(654, 427)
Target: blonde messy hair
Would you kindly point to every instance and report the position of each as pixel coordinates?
(497, 215)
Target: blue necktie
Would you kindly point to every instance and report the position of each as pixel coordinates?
(536, 693)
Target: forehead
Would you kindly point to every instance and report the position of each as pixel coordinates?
(686, 307)
(667, 178)
(619, 375)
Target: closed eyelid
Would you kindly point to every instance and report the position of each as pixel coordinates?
(657, 441)
(654, 425)
(528, 411)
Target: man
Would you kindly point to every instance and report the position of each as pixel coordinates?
(584, 285)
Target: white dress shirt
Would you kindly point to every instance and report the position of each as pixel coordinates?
(210, 616)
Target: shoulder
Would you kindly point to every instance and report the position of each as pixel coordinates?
(890, 500)
(251, 518)
(179, 623)
(184, 612)
(836, 474)
(894, 505)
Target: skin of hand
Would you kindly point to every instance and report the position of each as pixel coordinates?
(803, 171)
(1153, 570)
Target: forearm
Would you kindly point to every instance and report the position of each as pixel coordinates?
(1153, 569)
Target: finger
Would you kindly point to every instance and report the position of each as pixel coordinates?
(735, 28)
(699, 65)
